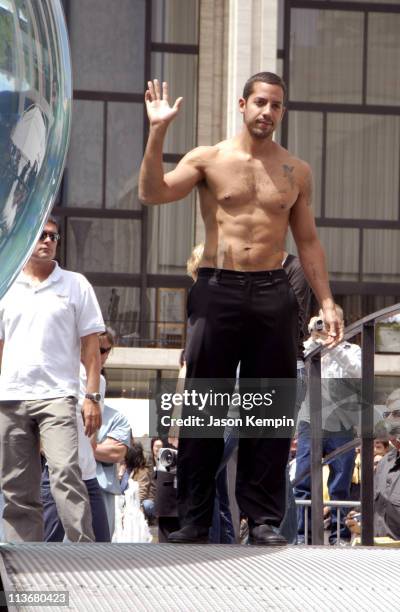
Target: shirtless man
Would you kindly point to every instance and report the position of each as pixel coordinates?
(241, 308)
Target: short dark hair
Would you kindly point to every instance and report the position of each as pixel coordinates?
(54, 221)
(264, 77)
(110, 335)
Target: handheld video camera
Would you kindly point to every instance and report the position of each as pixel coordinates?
(167, 460)
(317, 326)
(166, 483)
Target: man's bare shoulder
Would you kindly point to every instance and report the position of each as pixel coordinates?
(300, 165)
(303, 176)
(201, 156)
(302, 170)
(219, 151)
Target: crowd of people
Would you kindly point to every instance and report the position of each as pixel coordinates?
(60, 442)
(130, 497)
(69, 466)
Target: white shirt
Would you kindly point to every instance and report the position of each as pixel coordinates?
(343, 361)
(87, 462)
(340, 400)
(41, 326)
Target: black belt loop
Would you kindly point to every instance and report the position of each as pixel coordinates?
(218, 274)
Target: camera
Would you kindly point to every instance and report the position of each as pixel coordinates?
(167, 460)
(317, 326)
(166, 483)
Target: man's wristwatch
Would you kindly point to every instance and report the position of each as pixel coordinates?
(95, 397)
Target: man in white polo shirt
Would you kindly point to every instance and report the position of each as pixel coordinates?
(47, 318)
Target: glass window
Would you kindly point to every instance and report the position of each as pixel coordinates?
(383, 82)
(342, 251)
(352, 308)
(84, 176)
(341, 247)
(279, 67)
(305, 141)
(326, 52)
(103, 245)
(381, 255)
(159, 332)
(151, 317)
(174, 21)
(107, 44)
(120, 308)
(180, 70)
(362, 168)
(171, 234)
(124, 154)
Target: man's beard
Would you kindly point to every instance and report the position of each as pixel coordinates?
(261, 134)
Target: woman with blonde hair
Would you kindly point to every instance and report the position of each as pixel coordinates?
(193, 263)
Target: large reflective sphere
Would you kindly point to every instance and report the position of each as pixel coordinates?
(35, 114)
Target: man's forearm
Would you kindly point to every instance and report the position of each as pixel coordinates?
(313, 262)
(151, 177)
(91, 362)
(110, 453)
(92, 367)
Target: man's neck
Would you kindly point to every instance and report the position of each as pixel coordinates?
(256, 147)
(39, 270)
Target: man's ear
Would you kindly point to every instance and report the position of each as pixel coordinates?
(242, 105)
(283, 112)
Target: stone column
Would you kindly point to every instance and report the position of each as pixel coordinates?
(213, 58)
(237, 39)
(253, 36)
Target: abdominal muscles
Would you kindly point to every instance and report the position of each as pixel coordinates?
(248, 241)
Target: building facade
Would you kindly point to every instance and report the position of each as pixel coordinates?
(340, 60)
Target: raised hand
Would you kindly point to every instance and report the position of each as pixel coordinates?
(158, 109)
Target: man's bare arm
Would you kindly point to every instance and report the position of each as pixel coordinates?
(110, 451)
(90, 355)
(155, 187)
(311, 253)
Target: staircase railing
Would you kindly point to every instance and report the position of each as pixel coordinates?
(366, 327)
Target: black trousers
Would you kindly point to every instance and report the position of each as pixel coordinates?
(251, 318)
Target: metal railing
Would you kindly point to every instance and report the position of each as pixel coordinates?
(366, 327)
(328, 504)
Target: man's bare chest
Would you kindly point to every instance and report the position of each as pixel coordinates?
(238, 184)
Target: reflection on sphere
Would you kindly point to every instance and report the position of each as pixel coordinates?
(35, 112)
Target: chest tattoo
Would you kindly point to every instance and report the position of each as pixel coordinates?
(288, 173)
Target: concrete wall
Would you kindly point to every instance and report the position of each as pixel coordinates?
(168, 359)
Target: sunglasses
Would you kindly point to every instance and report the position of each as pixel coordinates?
(394, 413)
(103, 351)
(54, 237)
